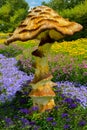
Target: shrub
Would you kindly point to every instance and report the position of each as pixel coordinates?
(78, 14)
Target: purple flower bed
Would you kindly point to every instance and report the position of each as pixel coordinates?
(69, 89)
(11, 78)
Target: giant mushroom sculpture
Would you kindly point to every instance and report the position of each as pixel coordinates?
(45, 24)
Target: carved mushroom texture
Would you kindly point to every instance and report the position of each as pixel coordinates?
(40, 19)
(42, 95)
(44, 82)
(42, 92)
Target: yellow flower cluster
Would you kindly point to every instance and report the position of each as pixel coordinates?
(72, 48)
(2, 41)
(3, 37)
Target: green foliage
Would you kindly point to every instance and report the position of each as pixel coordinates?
(4, 11)
(59, 5)
(78, 14)
(10, 51)
(15, 20)
(55, 119)
(55, 4)
(11, 13)
(2, 2)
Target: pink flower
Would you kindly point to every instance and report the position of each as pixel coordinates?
(85, 66)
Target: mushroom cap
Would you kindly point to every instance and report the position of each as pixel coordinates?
(40, 19)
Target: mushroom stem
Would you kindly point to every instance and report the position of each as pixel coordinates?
(41, 62)
(41, 68)
(42, 93)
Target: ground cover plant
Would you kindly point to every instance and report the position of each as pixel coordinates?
(68, 62)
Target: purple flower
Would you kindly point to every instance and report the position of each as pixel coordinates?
(73, 105)
(56, 107)
(66, 126)
(32, 123)
(53, 123)
(25, 122)
(82, 123)
(75, 94)
(35, 108)
(24, 110)
(8, 122)
(62, 95)
(49, 119)
(64, 115)
(77, 100)
(11, 78)
(68, 100)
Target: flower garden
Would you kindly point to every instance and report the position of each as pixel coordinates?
(68, 64)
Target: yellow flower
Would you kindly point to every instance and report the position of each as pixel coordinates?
(56, 47)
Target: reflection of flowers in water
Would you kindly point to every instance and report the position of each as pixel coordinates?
(11, 78)
(75, 91)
